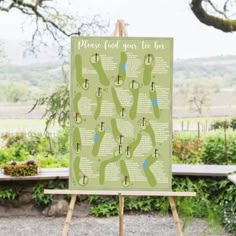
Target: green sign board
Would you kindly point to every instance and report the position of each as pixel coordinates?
(121, 113)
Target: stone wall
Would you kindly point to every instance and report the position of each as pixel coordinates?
(23, 205)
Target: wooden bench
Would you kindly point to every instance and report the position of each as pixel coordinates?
(177, 169)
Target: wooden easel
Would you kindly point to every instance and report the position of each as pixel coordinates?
(121, 194)
(120, 31)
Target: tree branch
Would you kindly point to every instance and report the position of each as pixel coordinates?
(50, 21)
(224, 25)
(216, 10)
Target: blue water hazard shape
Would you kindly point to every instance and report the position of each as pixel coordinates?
(154, 102)
(95, 139)
(123, 67)
(145, 164)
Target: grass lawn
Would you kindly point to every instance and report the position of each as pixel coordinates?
(38, 125)
(23, 125)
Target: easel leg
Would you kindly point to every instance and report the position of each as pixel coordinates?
(175, 216)
(69, 215)
(121, 213)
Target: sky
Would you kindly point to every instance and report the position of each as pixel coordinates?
(149, 18)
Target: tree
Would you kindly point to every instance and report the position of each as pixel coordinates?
(17, 92)
(50, 21)
(199, 97)
(215, 13)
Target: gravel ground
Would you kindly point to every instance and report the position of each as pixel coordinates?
(138, 225)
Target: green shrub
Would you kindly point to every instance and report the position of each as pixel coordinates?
(101, 206)
(52, 161)
(31, 142)
(39, 198)
(228, 216)
(62, 141)
(12, 154)
(105, 209)
(47, 151)
(187, 150)
(227, 204)
(8, 194)
(233, 123)
(219, 124)
(141, 204)
(213, 150)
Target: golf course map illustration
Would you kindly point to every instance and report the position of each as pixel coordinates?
(121, 113)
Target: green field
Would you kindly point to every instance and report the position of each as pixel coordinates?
(23, 126)
(37, 125)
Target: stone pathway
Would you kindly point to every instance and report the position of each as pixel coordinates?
(134, 225)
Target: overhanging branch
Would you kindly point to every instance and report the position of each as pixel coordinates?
(225, 25)
(49, 20)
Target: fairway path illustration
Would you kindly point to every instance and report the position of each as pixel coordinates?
(146, 127)
(100, 132)
(117, 155)
(146, 167)
(76, 113)
(125, 179)
(134, 88)
(78, 69)
(80, 178)
(77, 144)
(116, 101)
(115, 131)
(132, 146)
(154, 100)
(99, 103)
(96, 62)
(149, 62)
(122, 69)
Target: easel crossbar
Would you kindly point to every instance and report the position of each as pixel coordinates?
(123, 193)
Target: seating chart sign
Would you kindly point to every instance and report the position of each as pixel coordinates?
(121, 113)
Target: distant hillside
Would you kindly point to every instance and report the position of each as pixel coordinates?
(219, 68)
(212, 68)
(217, 75)
(29, 81)
(32, 81)
(34, 75)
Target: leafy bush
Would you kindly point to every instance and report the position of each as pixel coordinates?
(233, 123)
(227, 202)
(13, 154)
(105, 209)
(213, 150)
(220, 124)
(39, 198)
(187, 151)
(47, 151)
(28, 168)
(31, 142)
(103, 205)
(8, 194)
(52, 161)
